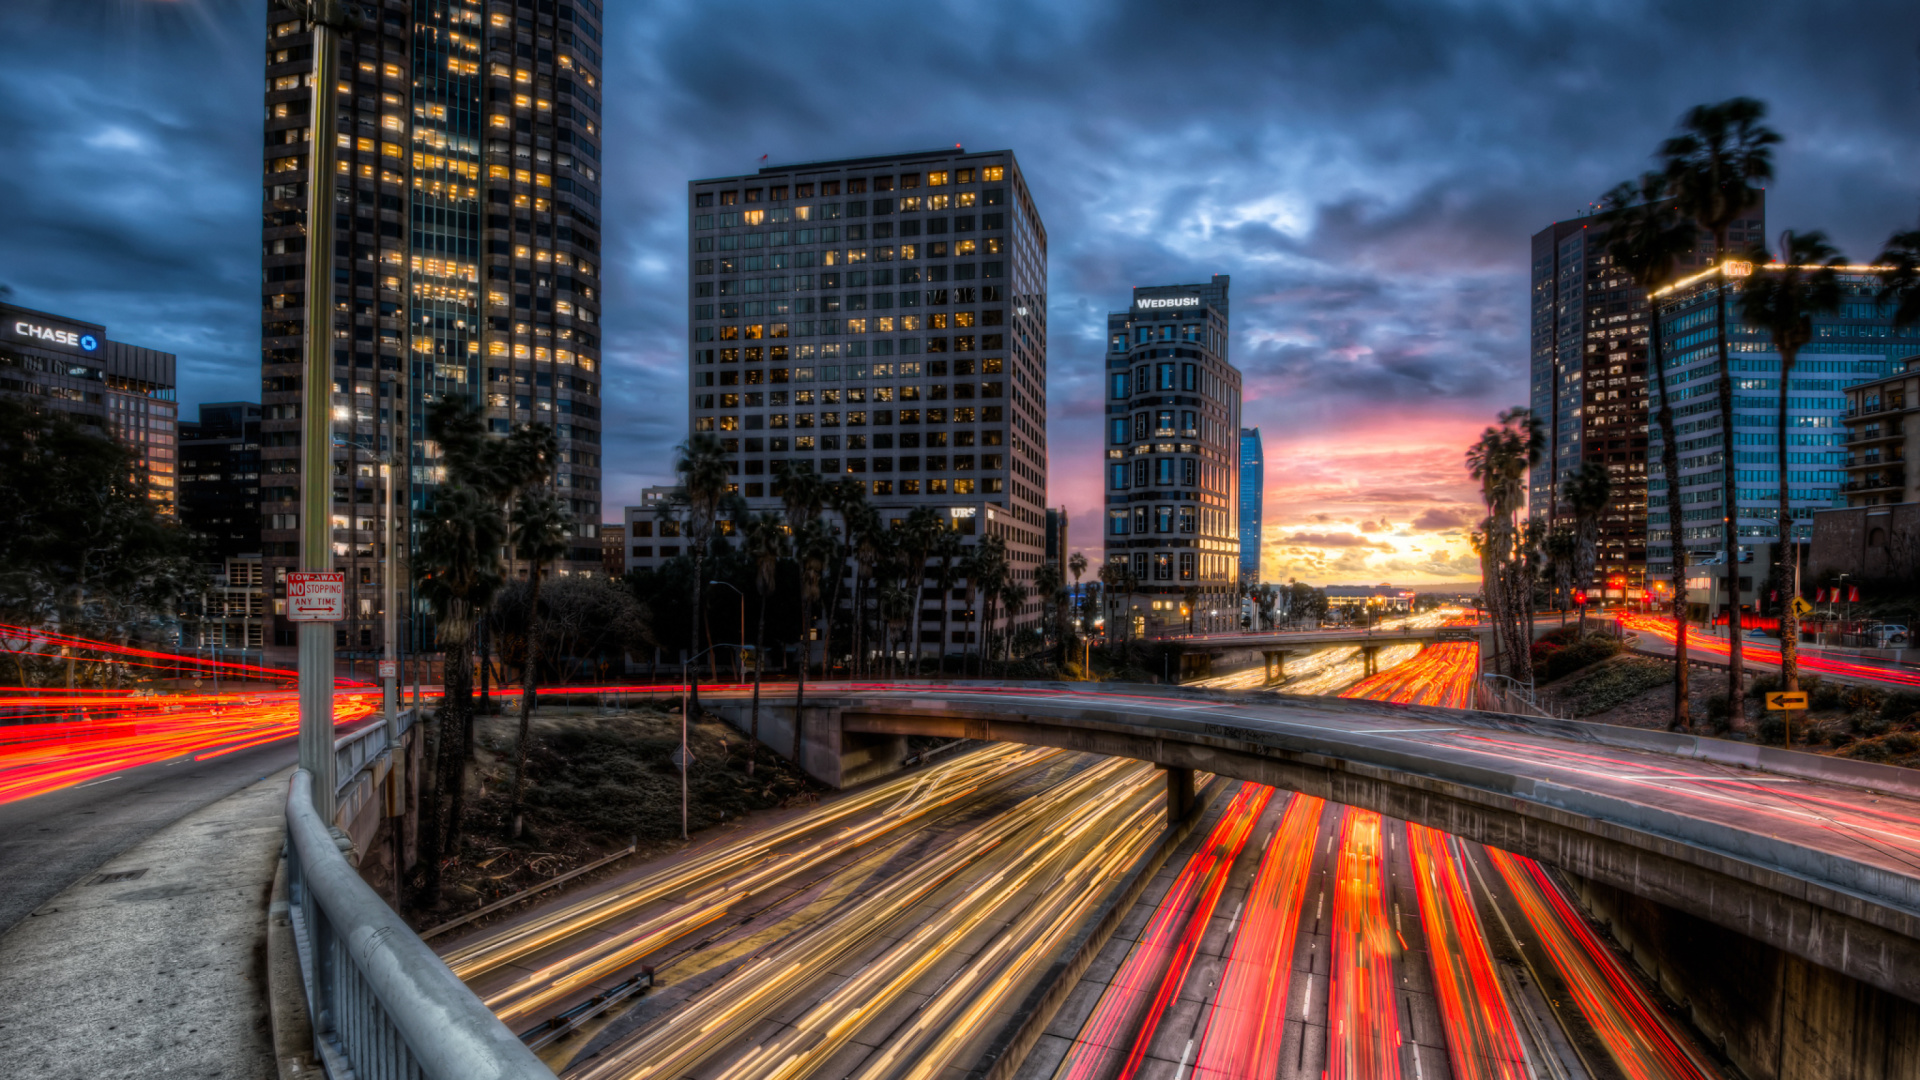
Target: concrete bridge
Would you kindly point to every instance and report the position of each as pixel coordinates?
(1222, 654)
(1813, 858)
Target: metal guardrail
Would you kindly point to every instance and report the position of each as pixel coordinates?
(382, 1004)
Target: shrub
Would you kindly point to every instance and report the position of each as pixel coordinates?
(1868, 724)
(1900, 707)
(1590, 650)
(1771, 729)
(1823, 695)
(1863, 699)
(1615, 684)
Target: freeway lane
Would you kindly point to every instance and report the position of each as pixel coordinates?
(53, 840)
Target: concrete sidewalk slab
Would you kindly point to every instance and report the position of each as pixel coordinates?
(154, 965)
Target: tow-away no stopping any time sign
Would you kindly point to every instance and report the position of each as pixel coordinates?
(316, 595)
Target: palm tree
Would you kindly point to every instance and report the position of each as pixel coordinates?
(701, 465)
(1783, 301)
(948, 548)
(766, 544)
(866, 541)
(1049, 583)
(917, 537)
(1646, 237)
(539, 536)
(1722, 156)
(1077, 565)
(1013, 597)
(1587, 494)
(816, 548)
(803, 495)
(457, 567)
(1899, 276)
(845, 498)
(987, 575)
(1501, 460)
(1562, 550)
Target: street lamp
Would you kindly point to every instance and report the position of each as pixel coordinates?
(327, 19)
(739, 662)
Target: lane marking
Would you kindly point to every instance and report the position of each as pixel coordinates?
(91, 783)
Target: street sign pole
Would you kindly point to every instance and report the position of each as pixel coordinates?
(316, 410)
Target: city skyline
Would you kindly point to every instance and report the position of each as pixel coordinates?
(1383, 266)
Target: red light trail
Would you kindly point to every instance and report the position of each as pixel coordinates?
(1757, 653)
(1158, 964)
(1637, 1034)
(1363, 1020)
(1481, 1040)
(1440, 675)
(1242, 1038)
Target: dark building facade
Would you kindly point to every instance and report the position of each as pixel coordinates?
(881, 319)
(1253, 497)
(64, 365)
(1172, 454)
(466, 263)
(219, 477)
(1589, 381)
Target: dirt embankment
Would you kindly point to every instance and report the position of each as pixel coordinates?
(596, 782)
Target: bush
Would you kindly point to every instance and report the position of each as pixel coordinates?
(1900, 707)
(1562, 662)
(1771, 729)
(1863, 699)
(1615, 684)
(1822, 695)
(1868, 724)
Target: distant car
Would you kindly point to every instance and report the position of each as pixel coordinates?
(1887, 635)
(1757, 633)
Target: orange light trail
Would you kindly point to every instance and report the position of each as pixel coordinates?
(1363, 1020)
(1242, 1037)
(1755, 652)
(1441, 675)
(1482, 1043)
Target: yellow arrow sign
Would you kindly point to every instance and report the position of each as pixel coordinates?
(1801, 607)
(1785, 700)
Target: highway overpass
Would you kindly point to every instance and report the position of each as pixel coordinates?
(1817, 857)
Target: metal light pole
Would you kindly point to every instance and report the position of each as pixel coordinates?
(390, 683)
(316, 408)
(327, 19)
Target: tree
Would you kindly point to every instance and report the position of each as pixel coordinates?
(1190, 597)
(918, 535)
(948, 548)
(539, 536)
(986, 570)
(1562, 549)
(1013, 598)
(1587, 493)
(1050, 585)
(1646, 237)
(817, 548)
(765, 540)
(1783, 301)
(1722, 156)
(1501, 460)
(700, 463)
(457, 570)
(1899, 276)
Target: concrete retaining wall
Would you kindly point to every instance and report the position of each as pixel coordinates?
(1775, 1015)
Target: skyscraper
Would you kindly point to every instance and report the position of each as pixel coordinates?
(1253, 496)
(1172, 473)
(220, 477)
(1589, 381)
(1852, 347)
(881, 319)
(466, 262)
(124, 391)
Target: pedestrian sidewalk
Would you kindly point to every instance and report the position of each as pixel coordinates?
(155, 964)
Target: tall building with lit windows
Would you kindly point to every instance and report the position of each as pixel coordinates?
(1589, 381)
(466, 262)
(1172, 451)
(881, 319)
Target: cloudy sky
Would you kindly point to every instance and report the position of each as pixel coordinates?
(1368, 172)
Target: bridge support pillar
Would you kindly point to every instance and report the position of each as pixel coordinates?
(1276, 670)
(1180, 800)
(1370, 659)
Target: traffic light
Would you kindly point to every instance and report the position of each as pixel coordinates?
(1580, 597)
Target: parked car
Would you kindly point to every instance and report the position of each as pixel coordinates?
(1887, 636)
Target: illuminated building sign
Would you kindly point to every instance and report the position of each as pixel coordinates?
(54, 335)
(1166, 301)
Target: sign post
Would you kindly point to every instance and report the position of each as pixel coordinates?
(1786, 702)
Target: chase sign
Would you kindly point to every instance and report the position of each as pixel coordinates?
(54, 335)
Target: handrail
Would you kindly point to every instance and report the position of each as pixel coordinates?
(381, 1002)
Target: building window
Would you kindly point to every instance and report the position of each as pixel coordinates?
(1116, 523)
(1163, 519)
(1162, 566)
(1186, 566)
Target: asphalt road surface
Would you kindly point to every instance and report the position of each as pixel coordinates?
(50, 841)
